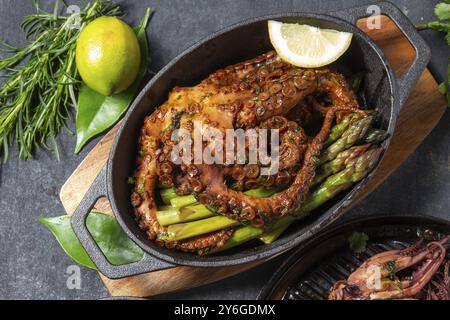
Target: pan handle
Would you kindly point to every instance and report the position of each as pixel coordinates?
(148, 263)
(406, 82)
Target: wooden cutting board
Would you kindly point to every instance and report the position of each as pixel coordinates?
(418, 117)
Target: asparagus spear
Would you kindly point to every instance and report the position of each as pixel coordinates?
(167, 195)
(337, 130)
(355, 171)
(278, 228)
(186, 230)
(239, 236)
(375, 136)
(186, 214)
(182, 201)
(339, 163)
(353, 134)
(260, 192)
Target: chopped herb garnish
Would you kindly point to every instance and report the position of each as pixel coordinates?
(206, 250)
(131, 180)
(316, 160)
(141, 187)
(391, 268)
(163, 235)
(176, 120)
(358, 242)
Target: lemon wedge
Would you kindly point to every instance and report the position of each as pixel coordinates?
(307, 46)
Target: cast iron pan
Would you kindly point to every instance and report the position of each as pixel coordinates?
(312, 269)
(382, 90)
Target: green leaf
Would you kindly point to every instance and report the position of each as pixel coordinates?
(97, 113)
(439, 26)
(62, 230)
(113, 242)
(443, 88)
(442, 11)
(358, 242)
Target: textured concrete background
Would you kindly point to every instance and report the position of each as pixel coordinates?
(32, 265)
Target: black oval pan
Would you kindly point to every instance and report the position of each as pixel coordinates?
(382, 90)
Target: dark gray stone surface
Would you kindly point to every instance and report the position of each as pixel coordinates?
(32, 265)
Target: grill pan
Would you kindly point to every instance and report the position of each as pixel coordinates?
(311, 270)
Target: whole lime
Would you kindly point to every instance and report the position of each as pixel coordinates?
(108, 55)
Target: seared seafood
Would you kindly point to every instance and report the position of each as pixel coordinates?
(264, 92)
(377, 278)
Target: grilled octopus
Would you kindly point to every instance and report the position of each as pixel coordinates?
(264, 92)
(377, 279)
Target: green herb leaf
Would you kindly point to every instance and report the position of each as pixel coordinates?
(176, 120)
(442, 11)
(439, 26)
(358, 242)
(62, 230)
(97, 113)
(113, 242)
(141, 187)
(443, 88)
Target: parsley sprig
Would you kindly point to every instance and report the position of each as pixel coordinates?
(442, 11)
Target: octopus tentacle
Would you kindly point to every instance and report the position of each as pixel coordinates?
(145, 205)
(259, 211)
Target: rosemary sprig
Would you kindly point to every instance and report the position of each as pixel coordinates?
(35, 97)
